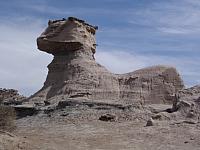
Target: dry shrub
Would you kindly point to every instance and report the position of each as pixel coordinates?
(7, 118)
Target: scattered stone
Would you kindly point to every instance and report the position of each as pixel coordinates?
(150, 122)
(157, 117)
(107, 117)
(64, 114)
(190, 114)
(46, 103)
(192, 138)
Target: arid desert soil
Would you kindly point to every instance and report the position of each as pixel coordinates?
(99, 135)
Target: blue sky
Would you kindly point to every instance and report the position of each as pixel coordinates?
(132, 34)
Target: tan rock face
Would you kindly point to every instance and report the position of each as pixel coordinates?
(155, 84)
(74, 72)
(67, 35)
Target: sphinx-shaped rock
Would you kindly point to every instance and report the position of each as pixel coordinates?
(74, 73)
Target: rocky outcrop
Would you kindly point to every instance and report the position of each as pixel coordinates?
(74, 73)
(25, 110)
(187, 103)
(191, 93)
(107, 117)
(10, 96)
(155, 84)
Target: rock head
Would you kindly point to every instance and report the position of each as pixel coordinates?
(64, 35)
(74, 73)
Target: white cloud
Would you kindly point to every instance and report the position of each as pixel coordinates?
(23, 67)
(67, 11)
(119, 61)
(173, 30)
(48, 9)
(175, 17)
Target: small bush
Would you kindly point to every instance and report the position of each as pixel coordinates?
(7, 118)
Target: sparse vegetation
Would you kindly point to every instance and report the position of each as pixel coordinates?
(7, 118)
(7, 113)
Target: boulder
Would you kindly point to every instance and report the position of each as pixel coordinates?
(150, 122)
(107, 117)
(25, 110)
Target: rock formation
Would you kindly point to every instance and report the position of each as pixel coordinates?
(74, 73)
(188, 103)
(10, 96)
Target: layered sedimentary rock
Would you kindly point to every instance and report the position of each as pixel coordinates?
(74, 73)
(155, 84)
